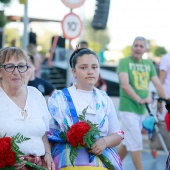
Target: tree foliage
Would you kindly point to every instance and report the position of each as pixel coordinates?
(12, 34)
(158, 51)
(3, 19)
(45, 40)
(5, 1)
(127, 51)
(97, 39)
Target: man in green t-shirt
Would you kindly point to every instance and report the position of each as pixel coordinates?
(135, 74)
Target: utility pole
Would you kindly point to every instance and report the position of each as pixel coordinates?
(2, 24)
(1, 37)
(26, 22)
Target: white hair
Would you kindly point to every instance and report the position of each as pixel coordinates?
(141, 39)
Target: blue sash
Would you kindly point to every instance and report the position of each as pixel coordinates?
(56, 137)
(74, 114)
(71, 106)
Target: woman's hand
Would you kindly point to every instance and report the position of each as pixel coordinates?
(48, 161)
(20, 165)
(98, 147)
(32, 159)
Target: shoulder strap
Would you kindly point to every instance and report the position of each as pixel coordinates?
(71, 105)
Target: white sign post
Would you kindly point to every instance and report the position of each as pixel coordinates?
(71, 26)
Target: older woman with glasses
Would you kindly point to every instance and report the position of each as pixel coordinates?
(23, 109)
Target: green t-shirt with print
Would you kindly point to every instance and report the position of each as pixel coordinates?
(140, 74)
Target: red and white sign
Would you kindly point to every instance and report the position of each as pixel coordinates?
(73, 3)
(71, 26)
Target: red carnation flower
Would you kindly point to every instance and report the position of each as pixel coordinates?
(76, 133)
(9, 152)
(7, 156)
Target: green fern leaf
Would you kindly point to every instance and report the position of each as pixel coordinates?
(63, 136)
(73, 154)
(83, 116)
(18, 138)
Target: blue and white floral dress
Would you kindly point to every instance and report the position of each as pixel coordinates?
(101, 111)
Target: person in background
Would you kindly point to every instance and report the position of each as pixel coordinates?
(23, 109)
(101, 84)
(65, 104)
(135, 74)
(13, 43)
(37, 59)
(45, 87)
(83, 44)
(164, 76)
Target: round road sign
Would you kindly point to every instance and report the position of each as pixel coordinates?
(73, 3)
(71, 26)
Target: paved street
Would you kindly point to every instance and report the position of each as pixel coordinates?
(149, 163)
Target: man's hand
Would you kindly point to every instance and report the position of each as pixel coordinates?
(146, 100)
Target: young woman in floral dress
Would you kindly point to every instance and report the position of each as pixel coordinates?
(66, 105)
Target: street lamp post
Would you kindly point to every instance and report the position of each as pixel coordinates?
(26, 21)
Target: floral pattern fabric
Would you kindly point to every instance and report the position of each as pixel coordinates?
(104, 115)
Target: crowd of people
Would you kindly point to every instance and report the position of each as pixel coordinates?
(24, 109)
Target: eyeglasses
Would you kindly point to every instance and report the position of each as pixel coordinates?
(11, 67)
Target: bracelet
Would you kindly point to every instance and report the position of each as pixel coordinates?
(105, 142)
(47, 153)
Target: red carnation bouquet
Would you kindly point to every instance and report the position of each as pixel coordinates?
(82, 135)
(9, 153)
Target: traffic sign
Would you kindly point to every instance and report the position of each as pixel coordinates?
(71, 26)
(73, 3)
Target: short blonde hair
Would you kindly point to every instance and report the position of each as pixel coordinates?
(9, 52)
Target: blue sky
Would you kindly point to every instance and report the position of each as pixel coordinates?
(127, 18)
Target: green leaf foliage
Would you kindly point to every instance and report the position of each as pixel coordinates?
(63, 136)
(97, 39)
(73, 154)
(3, 19)
(159, 51)
(106, 162)
(18, 138)
(5, 1)
(83, 116)
(34, 166)
(12, 37)
(8, 168)
(126, 51)
(88, 139)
